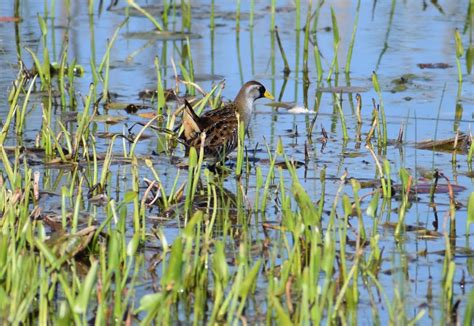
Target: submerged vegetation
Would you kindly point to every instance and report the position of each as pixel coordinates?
(104, 220)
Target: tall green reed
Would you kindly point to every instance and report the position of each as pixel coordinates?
(352, 42)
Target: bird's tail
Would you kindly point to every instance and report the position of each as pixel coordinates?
(191, 121)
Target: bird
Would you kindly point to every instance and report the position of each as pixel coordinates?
(220, 126)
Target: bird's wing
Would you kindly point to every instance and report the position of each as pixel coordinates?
(221, 135)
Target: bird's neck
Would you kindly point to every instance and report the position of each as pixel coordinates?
(244, 107)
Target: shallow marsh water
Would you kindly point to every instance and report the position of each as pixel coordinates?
(390, 40)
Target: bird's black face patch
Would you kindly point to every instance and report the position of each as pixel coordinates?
(262, 91)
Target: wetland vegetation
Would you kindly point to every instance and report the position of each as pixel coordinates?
(348, 201)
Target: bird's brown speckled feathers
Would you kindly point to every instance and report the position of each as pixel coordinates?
(221, 125)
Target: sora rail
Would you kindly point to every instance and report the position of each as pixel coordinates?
(221, 125)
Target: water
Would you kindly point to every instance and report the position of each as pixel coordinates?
(432, 107)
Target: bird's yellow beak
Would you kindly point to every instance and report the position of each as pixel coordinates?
(268, 95)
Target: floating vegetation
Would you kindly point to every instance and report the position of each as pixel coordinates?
(162, 35)
(460, 143)
(402, 83)
(438, 65)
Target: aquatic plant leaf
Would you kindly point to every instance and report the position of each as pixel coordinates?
(346, 203)
(402, 83)
(43, 26)
(188, 233)
(279, 147)
(404, 176)
(250, 279)
(373, 205)
(46, 252)
(149, 302)
(282, 316)
(449, 277)
(470, 210)
(172, 277)
(469, 59)
(134, 5)
(375, 82)
(469, 312)
(459, 47)
(335, 28)
(219, 264)
(82, 302)
(308, 210)
(133, 245)
(327, 264)
(129, 196)
(38, 66)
